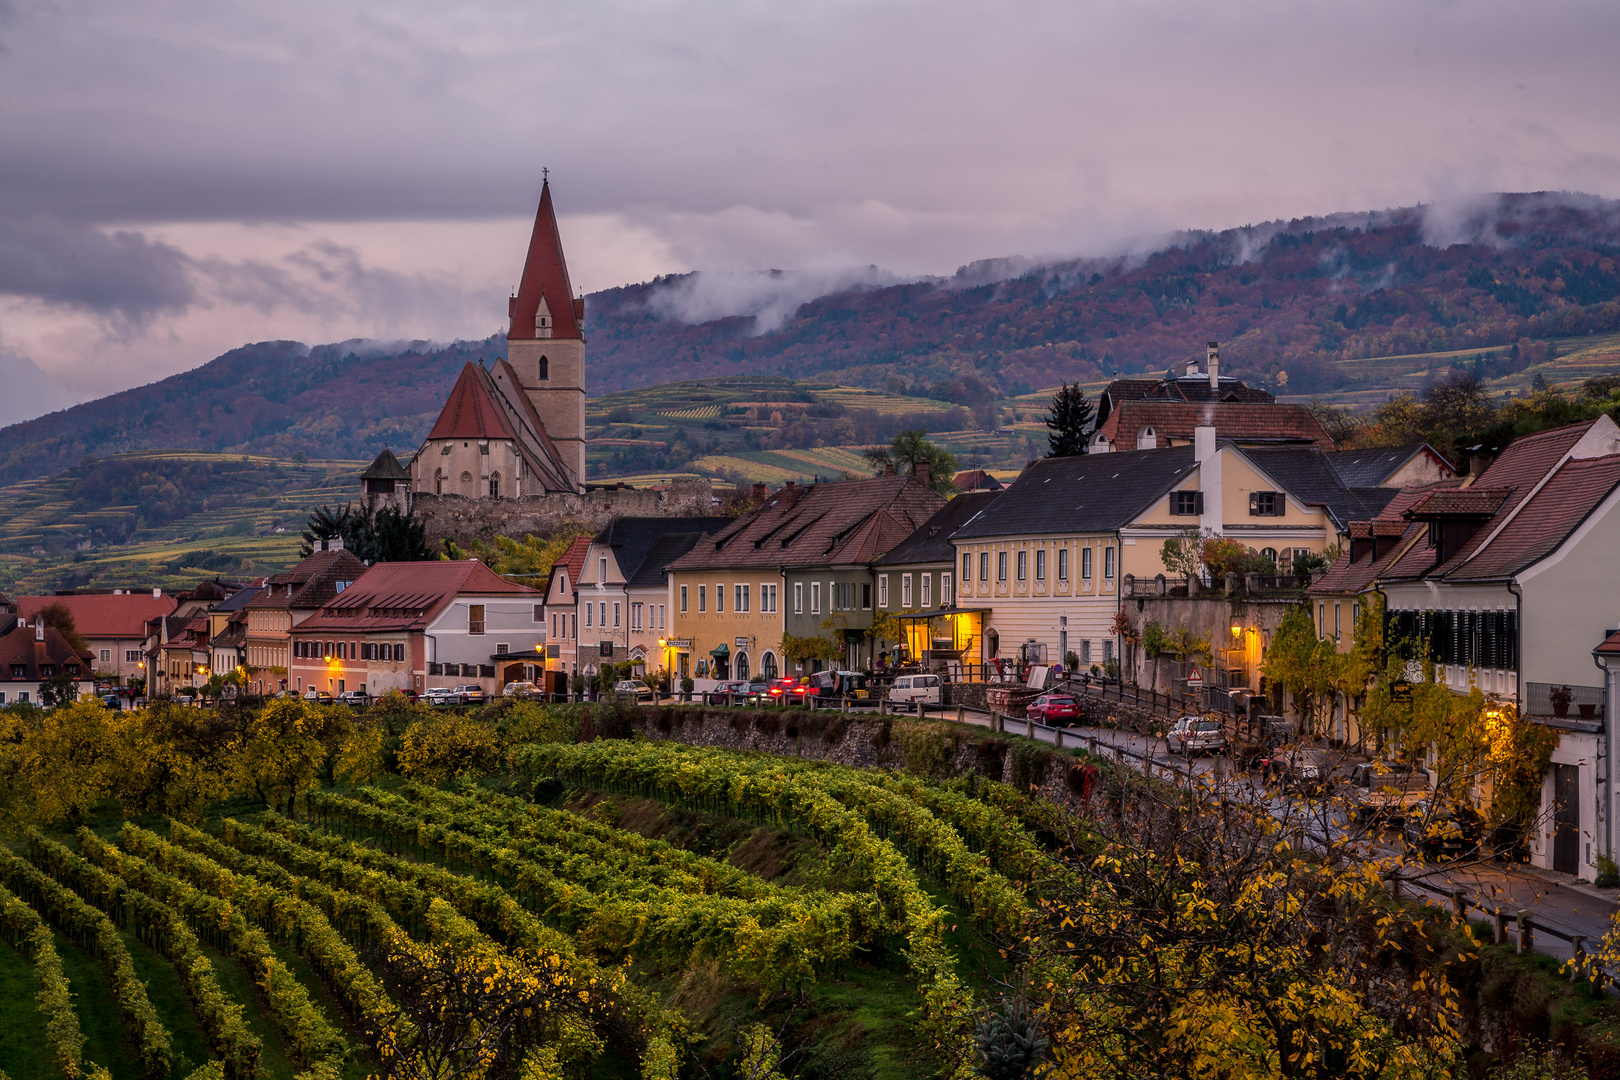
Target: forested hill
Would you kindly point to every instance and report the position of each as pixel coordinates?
(1288, 300)
(277, 397)
(1294, 297)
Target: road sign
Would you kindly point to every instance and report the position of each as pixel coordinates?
(1195, 679)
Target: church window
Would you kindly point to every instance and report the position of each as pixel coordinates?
(545, 368)
(494, 485)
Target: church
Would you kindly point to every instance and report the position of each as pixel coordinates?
(517, 427)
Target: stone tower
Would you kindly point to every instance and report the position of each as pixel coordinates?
(546, 342)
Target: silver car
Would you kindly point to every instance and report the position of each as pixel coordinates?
(1196, 735)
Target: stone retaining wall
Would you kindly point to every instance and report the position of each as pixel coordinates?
(459, 518)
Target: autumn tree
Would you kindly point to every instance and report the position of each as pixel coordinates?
(1068, 422)
(59, 617)
(910, 448)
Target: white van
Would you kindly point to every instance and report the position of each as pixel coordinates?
(914, 688)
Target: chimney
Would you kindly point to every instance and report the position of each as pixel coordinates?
(1212, 364)
(156, 593)
(1209, 478)
(39, 630)
(888, 470)
(335, 544)
(1192, 366)
(1203, 442)
(923, 472)
(760, 492)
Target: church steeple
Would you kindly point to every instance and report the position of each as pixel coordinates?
(545, 290)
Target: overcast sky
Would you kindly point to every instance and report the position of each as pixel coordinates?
(178, 177)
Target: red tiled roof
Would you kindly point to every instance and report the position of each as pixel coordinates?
(314, 581)
(573, 560)
(407, 595)
(823, 525)
(1550, 515)
(1232, 420)
(1464, 502)
(21, 647)
(104, 615)
(1610, 647)
(545, 273)
(1396, 537)
(469, 412)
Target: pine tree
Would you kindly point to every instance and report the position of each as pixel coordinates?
(1068, 422)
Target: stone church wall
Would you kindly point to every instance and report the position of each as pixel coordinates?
(459, 518)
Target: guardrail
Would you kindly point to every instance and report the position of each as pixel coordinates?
(1525, 924)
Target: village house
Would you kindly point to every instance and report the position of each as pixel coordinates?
(288, 599)
(227, 632)
(562, 615)
(416, 626)
(799, 566)
(112, 624)
(31, 656)
(916, 584)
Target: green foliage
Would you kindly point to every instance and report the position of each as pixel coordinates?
(59, 617)
(1009, 1043)
(1153, 640)
(1068, 421)
(928, 747)
(528, 556)
(908, 449)
(800, 649)
(1183, 554)
(386, 535)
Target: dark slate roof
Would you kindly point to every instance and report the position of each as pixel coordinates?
(386, 467)
(931, 543)
(670, 546)
(239, 600)
(1304, 473)
(634, 538)
(1374, 465)
(1084, 493)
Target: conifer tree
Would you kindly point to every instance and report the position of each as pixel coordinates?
(1068, 421)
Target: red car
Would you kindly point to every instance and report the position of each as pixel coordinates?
(785, 688)
(1054, 708)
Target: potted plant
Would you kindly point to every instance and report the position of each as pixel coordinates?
(1560, 696)
(686, 687)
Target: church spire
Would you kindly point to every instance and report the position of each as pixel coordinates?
(545, 275)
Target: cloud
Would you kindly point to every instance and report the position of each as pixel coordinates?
(119, 273)
(768, 297)
(29, 391)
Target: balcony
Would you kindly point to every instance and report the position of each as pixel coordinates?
(1584, 702)
(1255, 585)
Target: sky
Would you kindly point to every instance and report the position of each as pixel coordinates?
(179, 177)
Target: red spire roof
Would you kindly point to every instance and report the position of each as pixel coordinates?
(545, 274)
(470, 412)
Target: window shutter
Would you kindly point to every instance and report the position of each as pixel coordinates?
(1254, 503)
(1279, 505)
(1198, 502)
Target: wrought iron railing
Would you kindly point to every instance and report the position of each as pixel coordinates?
(1563, 700)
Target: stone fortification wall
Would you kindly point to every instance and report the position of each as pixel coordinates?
(459, 518)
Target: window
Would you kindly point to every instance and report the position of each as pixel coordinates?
(1085, 650)
(1023, 566)
(683, 599)
(132, 656)
(1108, 562)
(815, 598)
(767, 598)
(945, 590)
(967, 567)
(744, 601)
(1085, 563)
(1321, 620)
(539, 613)
(483, 447)
(601, 613)
(573, 625)
(1336, 609)
(399, 652)
(635, 616)
(494, 485)
(106, 656)
(1001, 566)
(1063, 564)
(1108, 650)
(905, 590)
(1040, 564)
(601, 571)
(661, 624)
(927, 590)
(719, 598)
(1270, 554)
(589, 614)
(798, 598)
(1267, 504)
(866, 596)
(1187, 503)
(475, 618)
(616, 609)
(1355, 613)
(883, 589)
(703, 598)
(984, 566)
(545, 367)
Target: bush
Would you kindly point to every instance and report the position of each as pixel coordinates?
(454, 745)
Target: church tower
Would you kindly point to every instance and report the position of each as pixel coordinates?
(546, 342)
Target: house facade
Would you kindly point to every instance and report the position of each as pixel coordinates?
(562, 615)
(916, 584)
(31, 656)
(287, 599)
(415, 626)
(112, 624)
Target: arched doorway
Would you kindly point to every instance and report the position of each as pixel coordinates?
(992, 644)
(742, 665)
(767, 665)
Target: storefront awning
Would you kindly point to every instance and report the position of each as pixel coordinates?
(939, 613)
(720, 650)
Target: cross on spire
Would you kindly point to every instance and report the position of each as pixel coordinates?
(545, 174)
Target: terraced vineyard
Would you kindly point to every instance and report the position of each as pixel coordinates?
(408, 932)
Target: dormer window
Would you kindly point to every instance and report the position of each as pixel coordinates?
(542, 319)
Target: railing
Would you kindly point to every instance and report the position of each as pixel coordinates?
(1585, 702)
(1152, 699)
(1231, 585)
(1525, 924)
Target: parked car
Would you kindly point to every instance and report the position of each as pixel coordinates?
(1386, 791)
(1054, 709)
(319, 697)
(915, 689)
(111, 701)
(1196, 735)
(1303, 768)
(836, 684)
(733, 691)
(520, 690)
(782, 689)
(443, 697)
(355, 699)
(471, 693)
(632, 688)
(1438, 827)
